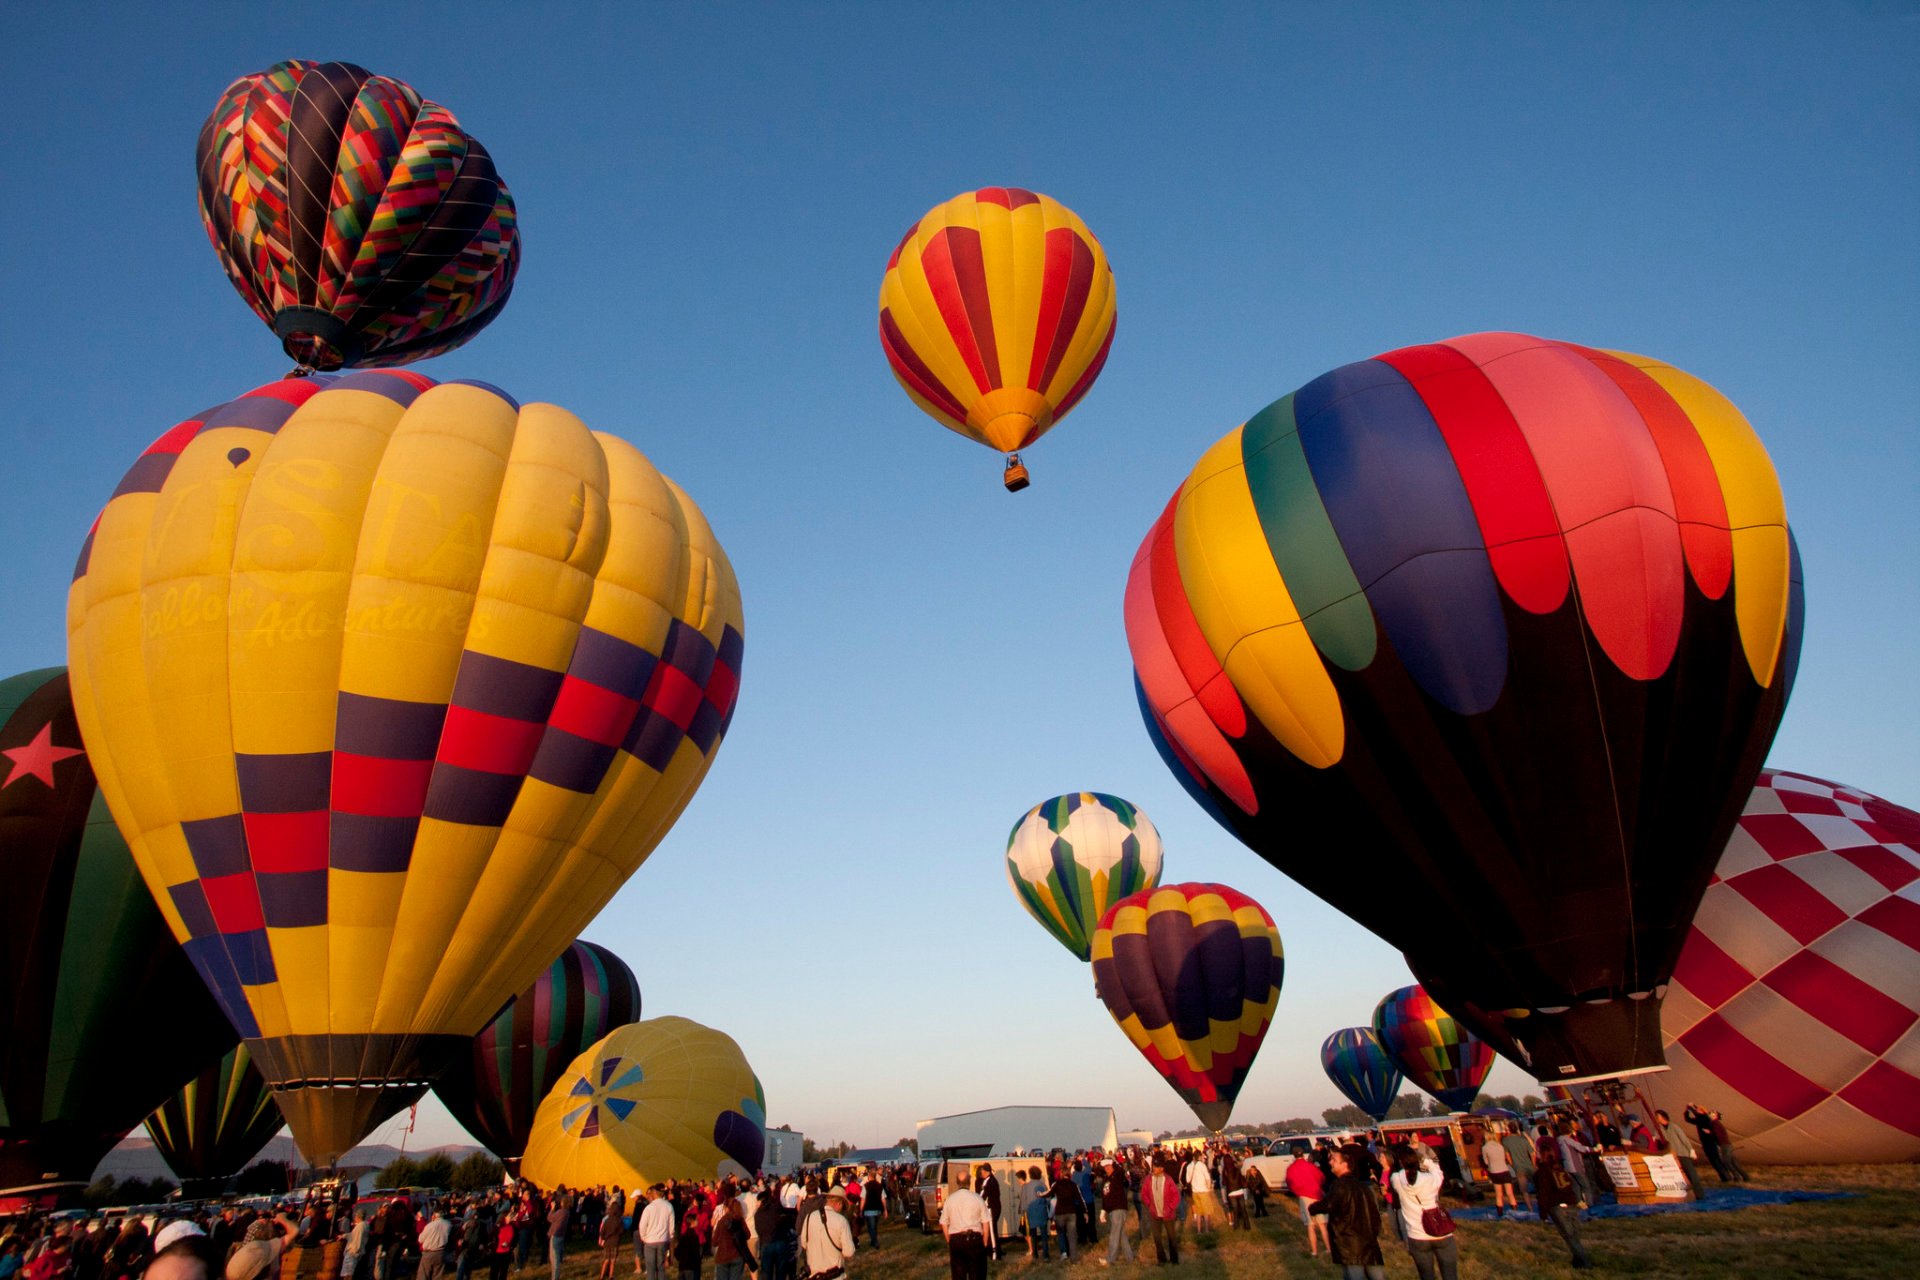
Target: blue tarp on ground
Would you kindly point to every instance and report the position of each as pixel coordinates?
(1719, 1200)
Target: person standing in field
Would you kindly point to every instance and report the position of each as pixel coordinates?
(1353, 1217)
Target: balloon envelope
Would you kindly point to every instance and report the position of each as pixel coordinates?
(1434, 1050)
(363, 224)
(665, 1098)
(395, 683)
(218, 1122)
(101, 1015)
(997, 313)
(518, 1057)
(1362, 1069)
(1509, 623)
(1795, 1010)
(1072, 857)
(1192, 974)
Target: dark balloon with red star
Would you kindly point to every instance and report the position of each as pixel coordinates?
(101, 1015)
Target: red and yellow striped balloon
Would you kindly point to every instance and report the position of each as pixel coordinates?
(997, 313)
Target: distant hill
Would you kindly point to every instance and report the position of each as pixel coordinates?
(136, 1156)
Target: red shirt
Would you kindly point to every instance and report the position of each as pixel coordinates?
(1305, 1180)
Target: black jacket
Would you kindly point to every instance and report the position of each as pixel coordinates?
(1353, 1222)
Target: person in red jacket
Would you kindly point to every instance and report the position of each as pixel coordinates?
(1306, 1182)
(1160, 1198)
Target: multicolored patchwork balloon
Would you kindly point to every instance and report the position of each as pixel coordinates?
(362, 223)
(392, 685)
(1072, 857)
(1795, 1010)
(1192, 974)
(1362, 1069)
(517, 1059)
(660, 1099)
(1436, 1052)
(101, 1015)
(217, 1123)
(1507, 623)
(997, 313)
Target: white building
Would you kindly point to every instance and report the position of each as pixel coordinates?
(783, 1151)
(1136, 1137)
(1003, 1131)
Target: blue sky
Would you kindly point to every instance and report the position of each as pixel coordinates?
(708, 195)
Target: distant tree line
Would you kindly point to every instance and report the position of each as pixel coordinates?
(478, 1172)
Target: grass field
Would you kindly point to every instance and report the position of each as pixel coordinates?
(1873, 1235)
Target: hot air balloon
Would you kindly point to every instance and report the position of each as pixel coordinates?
(393, 685)
(1191, 972)
(1436, 1052)
(996, 314)
(361, 222)
(1795, 1010)
(210, 1129)
(1072, 857)
(517, 1058)
(1509, 624)
(665, 1098)
(101, 1016)
(1362, 1069)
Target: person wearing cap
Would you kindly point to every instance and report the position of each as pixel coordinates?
(827, 1238)
(1160, 1197)
(967, 1224)
(181, 1251)
(258, 1257)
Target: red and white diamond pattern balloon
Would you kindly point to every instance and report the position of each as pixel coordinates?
(1795, 1010)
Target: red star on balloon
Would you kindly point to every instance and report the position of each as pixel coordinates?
(37, 758)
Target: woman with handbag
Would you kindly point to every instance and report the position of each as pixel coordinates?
(1428, 1228)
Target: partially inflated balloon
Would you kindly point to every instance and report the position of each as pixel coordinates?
(1795, 1010)
(1435, 1051)
(997, 313)
(222, 1118)
(363, 224)
(1362, 1069)
(392, 685)
(101, 1015)
(1192, 972)
(1509, 625)
(1072, 857)
(516, 1060)
(665, 1098)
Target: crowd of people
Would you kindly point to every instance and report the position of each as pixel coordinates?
(1112, 1207)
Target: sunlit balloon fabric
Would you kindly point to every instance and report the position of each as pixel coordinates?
(391, 685)
(665, 1098)
(1362, 1069)
(219, 1122)
(1795, 1010)
(1192, 973)
(1072, 857)
(1483, 642)
(997, 313)
(1434, 1050)
(101, 1015)
(363, 224)
(495, 1088)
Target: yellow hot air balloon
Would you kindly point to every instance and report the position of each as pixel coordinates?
(390, 685)
(996, 314)
(659, 1099)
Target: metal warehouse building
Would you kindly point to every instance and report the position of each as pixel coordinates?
(1018, 1130)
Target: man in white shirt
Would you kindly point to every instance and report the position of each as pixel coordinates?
(433, 1245)
(967, 1224)
(826, 1237)
(655, 1232)
(789, 1194)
